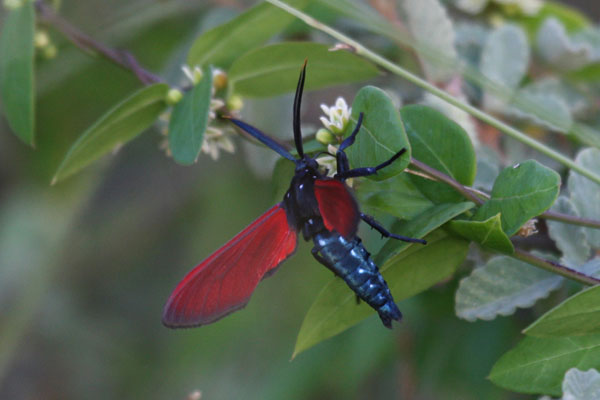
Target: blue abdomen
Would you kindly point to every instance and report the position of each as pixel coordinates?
(349, 260)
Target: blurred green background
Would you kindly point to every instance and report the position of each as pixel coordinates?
(86, 265)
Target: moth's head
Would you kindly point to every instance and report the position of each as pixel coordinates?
(307, 164)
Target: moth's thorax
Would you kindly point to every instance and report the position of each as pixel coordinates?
(301, 204)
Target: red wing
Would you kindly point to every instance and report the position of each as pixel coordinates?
(224, 282)
(337, 206)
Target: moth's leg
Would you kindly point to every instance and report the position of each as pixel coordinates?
(366, 171)
(385, 233)
(342, 159)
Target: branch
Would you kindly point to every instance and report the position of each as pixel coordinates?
(475, 196)
(122, 58)
(440, 176)
(569, 219)
(470, 194)
(555, 268)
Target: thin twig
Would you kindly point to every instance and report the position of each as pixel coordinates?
(569, 219)
(122, 58)
(471, 194)
(554, 267)
(459, 187)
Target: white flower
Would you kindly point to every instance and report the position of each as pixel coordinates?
(328, 164)
(194, 75)
(216, 139)
(215, 104)
(337, 116)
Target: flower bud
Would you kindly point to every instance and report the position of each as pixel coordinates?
(219, 79)
(174, 96)
(49, 51)
(194, 75)
(325, 136)
(41, 39)
(235, 102)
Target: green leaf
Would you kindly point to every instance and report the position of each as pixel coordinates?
(419, 226)
(487, 233)
(273, 70)
(589, 73)
(562, 51)
(580, 385)
(442, 144)
(585, 134)
(415, 270)
(570, 239)
(119, 125)
(572, 18)
(537, 365)
(505, 56)
(220, 46)
(430, 26)
(500, 286)
(283, 172)
(16, 71)
(520, 193)
(585, 195)
(364, 15)
(381, 135)
(542, 108)
(576, 316)
(397, 196)
(189, 120)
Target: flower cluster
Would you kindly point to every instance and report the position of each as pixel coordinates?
(337, 116)
(328, 162)
(216, 137)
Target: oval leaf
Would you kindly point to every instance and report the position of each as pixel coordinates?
(500, 286)
(487, 233)
(563, 52)
(570, 239)
(118, 126)
(273, 70)
(545, 109)
(573, 19)
(578, 315)
(442, 144)
(520, 193)
(220, 46)
(419, 226)
(16, 71)
(580, 385)
(397, 196)
(585, 195)
(505, 56)
(189, 120)
(432, 28)
(537, 365)
(381, 135)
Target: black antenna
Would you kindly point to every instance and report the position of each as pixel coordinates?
(297, 101)
(263, 138)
